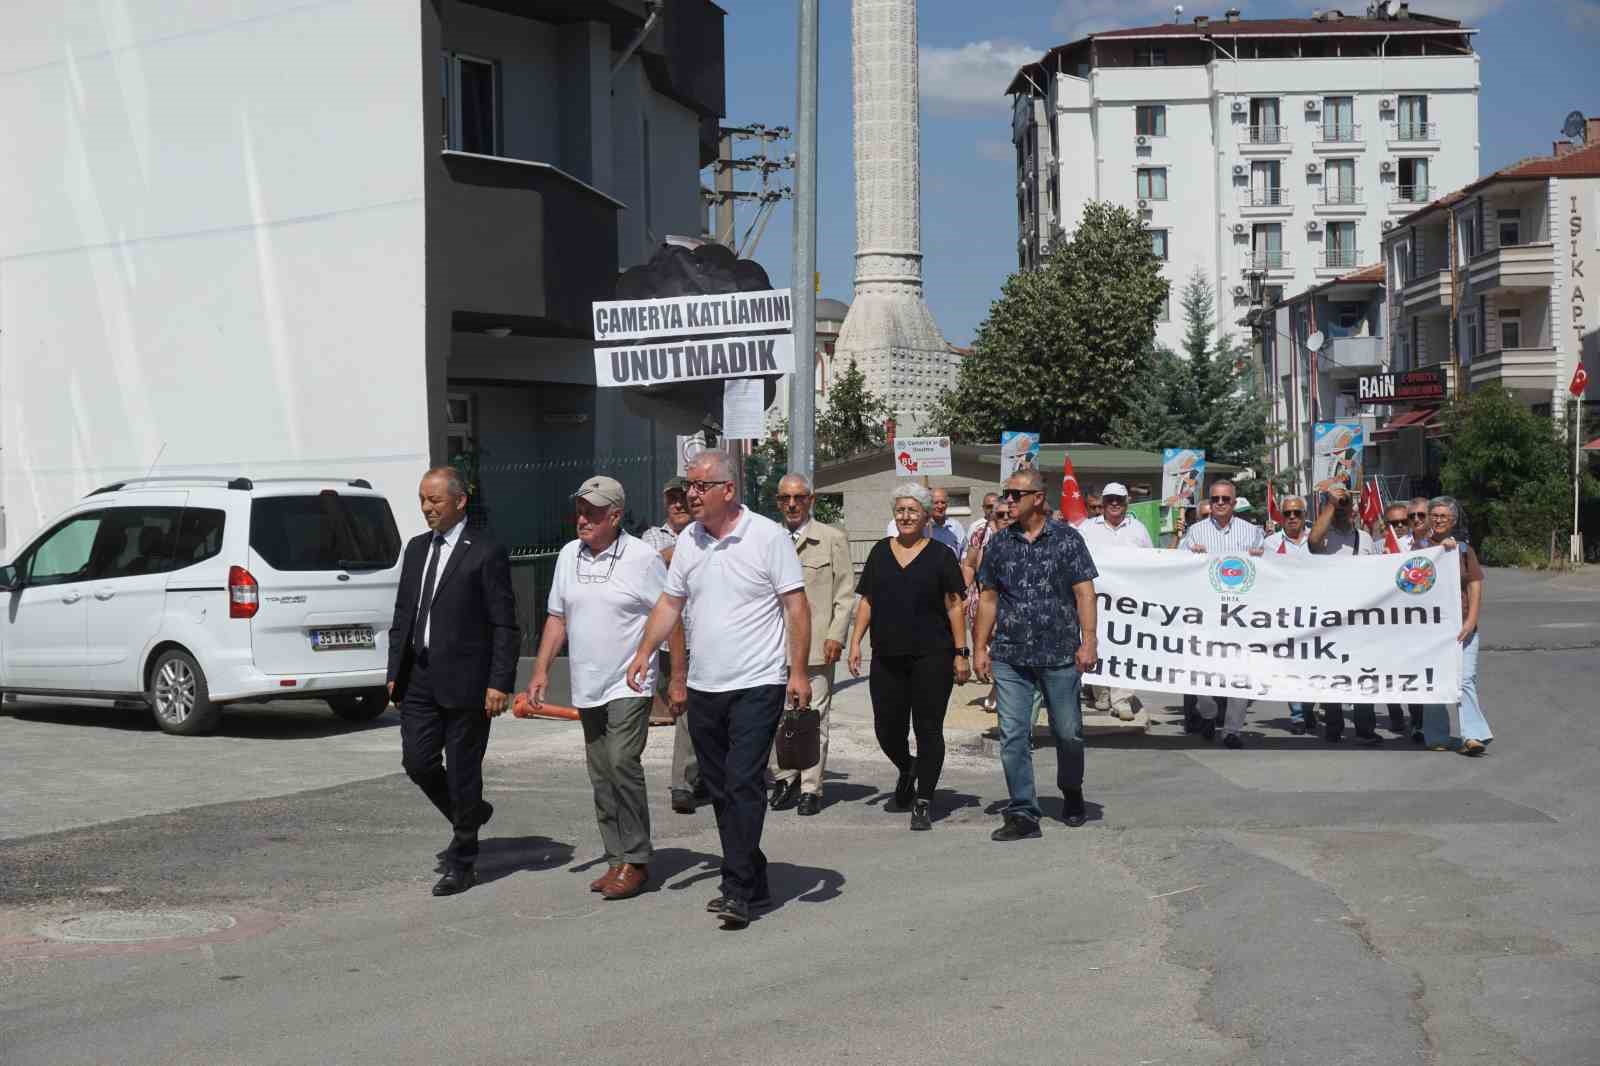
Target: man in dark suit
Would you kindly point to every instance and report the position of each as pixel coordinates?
(452, 661)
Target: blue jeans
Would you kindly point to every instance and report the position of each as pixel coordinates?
(1014, 689)
(1436, 716)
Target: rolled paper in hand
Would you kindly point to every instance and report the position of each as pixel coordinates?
(521, 708)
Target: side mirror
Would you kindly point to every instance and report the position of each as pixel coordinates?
(10, 581)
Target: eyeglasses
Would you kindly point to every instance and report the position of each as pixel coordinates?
(1013, 495)
(592, 578)
(1294, 514)
(1442, 516)
(797, 497)
(700, 487)
(908, 512)
(1222, 499)
(1399, 522)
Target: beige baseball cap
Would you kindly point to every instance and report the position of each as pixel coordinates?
(602, 491)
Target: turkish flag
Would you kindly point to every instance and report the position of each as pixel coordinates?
(1072, 506)
(1580, 381)
(1391, 543)
(1371, 502)
(1272, 507)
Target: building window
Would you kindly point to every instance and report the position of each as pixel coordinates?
(1469, 336)
(1158, 244)
(1151, 120)
(1413, 124)
(1266, 242)
(1510, 329)
(1152, 183)
(459, 425)
(1339, 183)
(1339, 118)
(1510, 228)
(1148, 56)
(470, 121)
(1402, 354)
(1264, 128)
(1469, 234)
(1266, 189)
(1412, 188)
(1340, 247)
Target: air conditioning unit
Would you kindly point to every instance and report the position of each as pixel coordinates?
(1238, 170)
(1238, 107)
(1238, 227)
(1313, 226)
(1239, 291)
(1388, 224)
(1313, 168)
(1312, 105)
(1144, 205)
(1143, 140)
(1386, 104)
(1386, 167)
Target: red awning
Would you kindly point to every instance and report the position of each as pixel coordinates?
(1592, 446)
(1426, 417)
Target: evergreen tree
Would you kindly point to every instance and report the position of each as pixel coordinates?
(854, 418)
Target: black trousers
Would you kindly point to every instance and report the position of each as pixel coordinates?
(732, 734)
(454, 782)
(1364, 714)
(911, 693)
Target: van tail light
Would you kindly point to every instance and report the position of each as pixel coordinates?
(244, 595)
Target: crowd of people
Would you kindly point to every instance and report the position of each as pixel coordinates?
(722, 619)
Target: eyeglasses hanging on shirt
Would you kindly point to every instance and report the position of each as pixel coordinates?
(591, 577)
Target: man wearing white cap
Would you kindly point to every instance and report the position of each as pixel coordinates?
(606, 583)
(1112, 528)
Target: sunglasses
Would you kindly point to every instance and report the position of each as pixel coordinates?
(1222, 499)
(1414, 515)
(798, 497)
(1399, 522)
(1294, 514)
(1013, 495)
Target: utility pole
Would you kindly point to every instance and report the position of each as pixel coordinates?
(803, 272)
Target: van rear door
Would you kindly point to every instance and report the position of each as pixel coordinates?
(327, 567)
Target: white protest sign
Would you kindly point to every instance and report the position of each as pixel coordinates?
(1363, 629)
(728, 357)
(767, 311)
(922, 456)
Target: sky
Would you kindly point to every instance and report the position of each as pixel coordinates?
(1538, 63)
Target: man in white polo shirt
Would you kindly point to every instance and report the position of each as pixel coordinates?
(606, 583)
(1112, 528)
(737, 575)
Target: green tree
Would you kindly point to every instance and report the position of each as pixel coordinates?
(1208, 397)
(853, 419)
(1510, 469)
(765, 466)
(1063, 340)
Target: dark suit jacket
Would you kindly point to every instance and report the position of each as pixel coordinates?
(474, 634)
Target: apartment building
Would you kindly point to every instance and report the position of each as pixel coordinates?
(1280, 147)
(1494, 278)
(344, 239)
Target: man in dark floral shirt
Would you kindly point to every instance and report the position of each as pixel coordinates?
(1037, 602)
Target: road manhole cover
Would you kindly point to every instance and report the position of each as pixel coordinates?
(133, 927)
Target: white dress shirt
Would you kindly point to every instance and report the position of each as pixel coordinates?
(1237, 536)
(451, 536)
(1097, 532)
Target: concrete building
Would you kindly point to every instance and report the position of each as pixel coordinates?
(1494, 278)
(890, 332)
(1277, 146)
(342, 239)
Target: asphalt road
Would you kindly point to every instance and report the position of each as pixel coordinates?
(1291, 903)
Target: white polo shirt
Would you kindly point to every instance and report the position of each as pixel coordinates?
(1097, 532)
(1279, 544)
(605, 600)
(734, 617)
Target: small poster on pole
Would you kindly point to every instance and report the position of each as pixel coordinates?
(1019, 450)
(743, 415)
(922, 456)
(1336, 454)
(1183, 470)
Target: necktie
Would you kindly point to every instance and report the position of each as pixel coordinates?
(420, 630)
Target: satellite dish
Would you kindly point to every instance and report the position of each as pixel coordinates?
(1315, 341)
(1575, 126)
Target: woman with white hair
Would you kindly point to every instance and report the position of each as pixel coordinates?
(911, 602)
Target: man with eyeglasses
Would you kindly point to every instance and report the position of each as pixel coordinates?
(736, 578)
(830, 594)
(978, 532)
(1417, 515)
(1336, 532)
(1110, 527)
(1294, 539)
(606, 583)
(685, 785)
(1218, 533)
(1038, 604)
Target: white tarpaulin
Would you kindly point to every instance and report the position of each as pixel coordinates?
(767, 311)
(725, 357)
(1364, 629)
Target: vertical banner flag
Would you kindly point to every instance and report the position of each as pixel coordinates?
(1019, 450)
(1073, 508)
(922, 457)
(1336, 453)
(1273, 514)
(1580, 381)
(1183, 470)
(1371, 503)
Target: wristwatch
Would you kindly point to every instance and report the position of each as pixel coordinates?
(964, 653)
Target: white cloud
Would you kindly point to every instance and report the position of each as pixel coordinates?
(996, 151)
(1079, 17)
(973, 76)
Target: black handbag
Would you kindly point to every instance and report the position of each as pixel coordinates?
(799, 739)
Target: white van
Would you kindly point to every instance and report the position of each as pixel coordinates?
(187, 594)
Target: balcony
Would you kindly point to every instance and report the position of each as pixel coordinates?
(1255, 202)
(1338, 260)
(1339, 137)
(1513, 266)
(1407, 198)
(1431, 289)
(1340, 200)
(1271, 262)
(1361, 354)
(1265, 140)
(1530, 370)
(1414, 136)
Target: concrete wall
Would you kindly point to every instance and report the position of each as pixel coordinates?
(211, 245)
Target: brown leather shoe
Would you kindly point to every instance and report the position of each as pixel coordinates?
(599, 884)
(629, 882)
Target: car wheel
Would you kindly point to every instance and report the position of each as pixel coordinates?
(360, 706)
(179, 697)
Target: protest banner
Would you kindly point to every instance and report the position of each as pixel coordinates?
(922, 456)
(1368, 629)
(767, 311)
(1336, 452)
(1019, 450)
(1182, 472)
(724, 357)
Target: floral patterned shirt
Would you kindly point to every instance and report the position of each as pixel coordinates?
(1037, 621)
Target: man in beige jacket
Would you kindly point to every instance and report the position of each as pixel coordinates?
(830, 591)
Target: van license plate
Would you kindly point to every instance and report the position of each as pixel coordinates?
(342, 639)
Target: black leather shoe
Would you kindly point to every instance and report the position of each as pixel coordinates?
(1208, 728)
(810, 803)
(905, 790)
(1297, 728)
(715, 904)
(1016, 827)
(921, 818)
(783, 793)
(1232, 740)
(1072, 809)
(683, 801)
(735, 913)
(455, 882)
